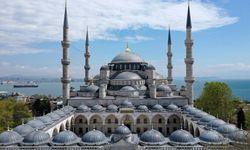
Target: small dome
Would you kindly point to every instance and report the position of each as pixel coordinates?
(53, 116)
(69, 107)
(172, 107)
(240, 136)
(211, 136)
(83, 108)
(112, 108)
(200, 115)
(127, 76)
(204, 120)
(126, 104)
(227, 128)
(142, 108)
(36, 124)
(158, 76)
(10, 138)
(91, 88)
(150, 67)
(60, 113)
(97, 77)
(105, 67)
(66, 110)
(127, 57)
(38, 137)
(182, 137)
(163, 88)
(23, 129)
(94, 137)
(143, 88)
(122, 130)
(97, 108)
(215, 123)
(152, 137)
(66, 138)
(127, 88)
(45, 119)
(157, 107)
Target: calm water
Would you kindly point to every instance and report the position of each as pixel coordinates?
(240, 88)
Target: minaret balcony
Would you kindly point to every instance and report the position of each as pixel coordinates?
(65, 44)
(169, 54)
(87, 54)
(189, 79)
(189, 60)
(65, 61)
(87, 67)
(65, 80)
(170, 66)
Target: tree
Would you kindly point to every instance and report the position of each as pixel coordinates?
(217, 99)
(241, 118)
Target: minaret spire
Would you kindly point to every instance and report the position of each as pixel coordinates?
(65, 60)
(189, 79)
(169, 54)
(87, 56)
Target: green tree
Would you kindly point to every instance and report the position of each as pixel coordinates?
(12, 113)
(217, 99)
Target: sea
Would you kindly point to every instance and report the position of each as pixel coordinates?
(239, 87)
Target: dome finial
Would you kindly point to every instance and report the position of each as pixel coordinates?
(127, 48)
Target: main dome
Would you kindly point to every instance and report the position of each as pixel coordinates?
(127, 76)
(127, 57)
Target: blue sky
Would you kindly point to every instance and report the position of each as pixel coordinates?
(31, 32)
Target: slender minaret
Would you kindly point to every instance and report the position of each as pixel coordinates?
(189, 79)
(87, 56)
(169, 66)
(65, 60)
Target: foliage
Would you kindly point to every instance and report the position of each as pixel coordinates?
(12, 112)
(41, 105)
(217, 99)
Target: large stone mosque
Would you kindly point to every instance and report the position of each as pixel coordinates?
(127, 106)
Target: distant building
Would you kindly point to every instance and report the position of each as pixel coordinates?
(127, 106)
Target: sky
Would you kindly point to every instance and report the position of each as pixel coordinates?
(31, 32)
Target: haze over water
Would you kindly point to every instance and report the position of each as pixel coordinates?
(240, 88)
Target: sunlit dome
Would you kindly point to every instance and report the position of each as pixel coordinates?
(23, 129)
(94, 137)
(127, 76)
(38, 137)
(127, 88)
(127, 57)
(227, 128)
(112, 108)
(215, 123)
(45, 119)
(83, 108)
(53, 116)
(172, 107)
(122, 130)
(66, 138)
(158, 108)
(240, 136)
(152, 137)
(97, 108)
(211, 137)
(142, 108)
(182, 137)
(10, 138)
(36, 124)
(126, 104)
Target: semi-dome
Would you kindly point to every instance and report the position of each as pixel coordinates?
(122, 130)
(157, 107)
(152, 137)
(142, 108)
(172, 107)
(163, 88)
(45, 119)
(158, 76)
(37, 137)
(60, 113)
(83, 108)
(105, 67)
(91, 88)
(23, 129)
(126, 104)
(182, 137)
(127, 76)
(143, 88)
(66, 138)
(94, 137)
(227, 128)
(10, 138)
(240, 136)
(127, 88)
(127, 57)
(150, 67)
(97, 108)
(211, 136)
(36, 124)
(112, 108)
(215, 123)
(53, 116)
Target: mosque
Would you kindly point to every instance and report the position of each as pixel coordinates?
(128, 105)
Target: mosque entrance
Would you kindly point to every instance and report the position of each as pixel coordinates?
(128, 121)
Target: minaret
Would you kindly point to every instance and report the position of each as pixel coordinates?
(87, 56)
(189, 79)
(65, 60)
(169, 54)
